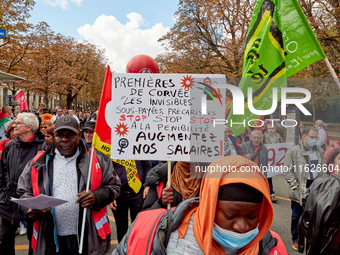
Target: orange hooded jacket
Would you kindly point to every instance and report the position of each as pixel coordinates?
(205, 212)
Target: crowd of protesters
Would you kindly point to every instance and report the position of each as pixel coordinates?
(48, 152)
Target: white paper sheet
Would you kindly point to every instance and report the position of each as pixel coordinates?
(40, 202)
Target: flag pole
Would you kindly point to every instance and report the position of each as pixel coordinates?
(332, 72)
(169, 180)
(85, 209)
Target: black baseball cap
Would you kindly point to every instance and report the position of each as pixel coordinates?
(67, 122)
(89, 125)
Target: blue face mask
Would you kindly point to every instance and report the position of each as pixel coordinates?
(232, 239)
(311, 142)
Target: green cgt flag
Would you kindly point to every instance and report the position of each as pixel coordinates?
(279, 43)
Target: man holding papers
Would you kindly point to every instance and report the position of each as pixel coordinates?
(61, 172)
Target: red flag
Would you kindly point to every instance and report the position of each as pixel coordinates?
(21, 100)
(102, 134)
(102, 131)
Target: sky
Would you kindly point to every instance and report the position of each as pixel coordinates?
(123, 28)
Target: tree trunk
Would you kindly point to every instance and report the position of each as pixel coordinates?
(46, 99)
(13, 89)
(69, 100)
(28, 99)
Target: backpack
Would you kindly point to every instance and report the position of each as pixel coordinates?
(146, 222)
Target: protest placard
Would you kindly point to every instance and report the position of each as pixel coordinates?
(159, 117)
(276, 156)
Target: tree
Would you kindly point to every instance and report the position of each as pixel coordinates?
(324, 18)
(84, 64)
(13, 16)
(208, 36)
(51, 63)
(43, 61)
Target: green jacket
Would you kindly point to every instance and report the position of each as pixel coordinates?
(296, 170)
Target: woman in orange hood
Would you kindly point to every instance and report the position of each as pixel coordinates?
(234, 213)
(232, 216)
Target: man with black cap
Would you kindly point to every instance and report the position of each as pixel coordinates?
(61, 171)
(88, 131)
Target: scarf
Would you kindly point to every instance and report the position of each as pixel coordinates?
(229, 148)
(185, 180)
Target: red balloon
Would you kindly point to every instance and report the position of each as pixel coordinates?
(142, 64)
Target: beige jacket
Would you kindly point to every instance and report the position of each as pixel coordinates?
(266, 139)
(296, 166)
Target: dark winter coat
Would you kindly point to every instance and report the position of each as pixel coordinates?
(13, 161)
(320, 219)
(159, 176)
(240, 139)
(262, 154)
(143, 167)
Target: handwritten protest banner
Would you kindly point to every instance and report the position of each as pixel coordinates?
(159, 117)
(276, 156)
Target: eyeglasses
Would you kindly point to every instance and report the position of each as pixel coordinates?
(45, 127)
(17, 123)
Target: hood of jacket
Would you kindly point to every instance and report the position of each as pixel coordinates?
(205, 213)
